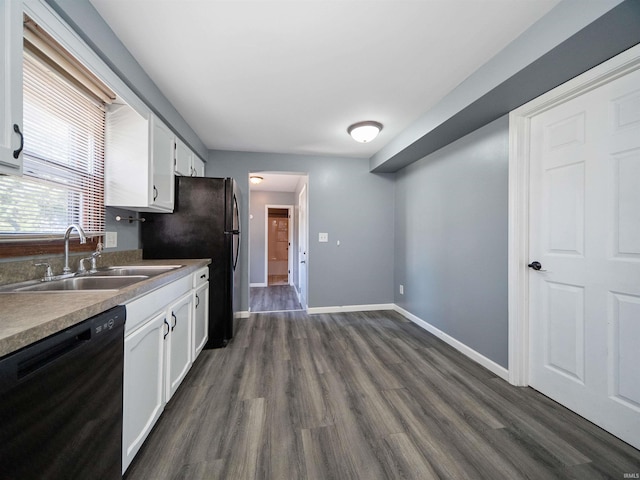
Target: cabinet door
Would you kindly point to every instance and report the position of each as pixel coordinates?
(127, 166)
(162, 148)
(200, 319)
(143, 394)
(10, 87)
(179, 356)
(198, 167)
(183, 160)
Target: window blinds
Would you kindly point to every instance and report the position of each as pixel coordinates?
(63, 180)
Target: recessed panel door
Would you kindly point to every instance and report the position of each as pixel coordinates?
(585, 234)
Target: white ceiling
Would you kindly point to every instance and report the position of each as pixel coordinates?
(291, 76)
(276, 182)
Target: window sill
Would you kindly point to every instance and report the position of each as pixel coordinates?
(36, 247)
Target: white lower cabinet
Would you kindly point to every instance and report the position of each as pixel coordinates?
(179, 343)
(158, 353)
(200, 310)
(144, 374)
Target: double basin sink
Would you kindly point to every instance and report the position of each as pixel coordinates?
(109, 278)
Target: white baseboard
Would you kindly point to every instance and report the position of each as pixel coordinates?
(490, 365)
(242, 314)
(257, 284)
(351, 308)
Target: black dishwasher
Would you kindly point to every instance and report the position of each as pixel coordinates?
(61, 404)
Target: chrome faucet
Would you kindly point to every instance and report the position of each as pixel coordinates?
(83, 239)
(48, 275)
(93, 258)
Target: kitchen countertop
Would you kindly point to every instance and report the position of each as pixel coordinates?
(26, 318)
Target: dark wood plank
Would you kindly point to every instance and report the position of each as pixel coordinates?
(274, 298)
(364, 395)
(430, 437)
(405, 460)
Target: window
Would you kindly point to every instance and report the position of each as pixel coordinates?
(64, 131)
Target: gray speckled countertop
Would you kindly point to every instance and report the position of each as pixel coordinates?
(26, 318)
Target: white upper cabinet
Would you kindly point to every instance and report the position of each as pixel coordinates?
(162, 166)
(187, 163)
(138, 161)
(198, 167)
(11, 87)
(184, 159)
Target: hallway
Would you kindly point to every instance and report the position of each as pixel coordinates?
(274, 298)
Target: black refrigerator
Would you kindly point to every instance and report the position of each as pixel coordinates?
(205, 223)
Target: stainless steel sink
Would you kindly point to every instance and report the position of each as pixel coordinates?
(93, 282)
(148, 270)
(107, 278)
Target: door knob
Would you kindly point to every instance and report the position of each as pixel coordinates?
(536, 266)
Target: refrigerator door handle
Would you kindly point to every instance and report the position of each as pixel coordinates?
(235, 260)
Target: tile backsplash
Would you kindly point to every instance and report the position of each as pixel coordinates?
(20, 271)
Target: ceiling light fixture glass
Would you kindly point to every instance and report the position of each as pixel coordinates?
(364, 132)
(255, 179)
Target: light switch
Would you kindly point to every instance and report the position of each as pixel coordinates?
(323, 237)
(110, 239)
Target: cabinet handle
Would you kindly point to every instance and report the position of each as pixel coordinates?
(16, 128)
(155, 193)
(204, 275)
(197, 300)
(168, 328)
(175, 320)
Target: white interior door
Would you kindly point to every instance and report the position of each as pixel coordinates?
(302, 246)
(584, 305)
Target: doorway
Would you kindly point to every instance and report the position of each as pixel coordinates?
(279, 240)
(574, 298)
(275, 276)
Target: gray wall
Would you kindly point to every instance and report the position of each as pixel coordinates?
(345, 200)
(451, 239)
(256, 230)
(128, 233)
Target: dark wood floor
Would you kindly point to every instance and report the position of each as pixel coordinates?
(274, 298)
(278, 280)
(364, 396)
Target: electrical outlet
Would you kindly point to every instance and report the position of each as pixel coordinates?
(401, 289)
(323, 237)
(110, 239)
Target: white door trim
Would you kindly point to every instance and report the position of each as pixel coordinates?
(266, 243)
(519, 131)
(303, 294)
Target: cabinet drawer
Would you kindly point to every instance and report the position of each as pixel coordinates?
(200, 277)
(141, 308)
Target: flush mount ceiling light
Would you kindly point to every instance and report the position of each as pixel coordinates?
(364, 132)
(255, 179)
